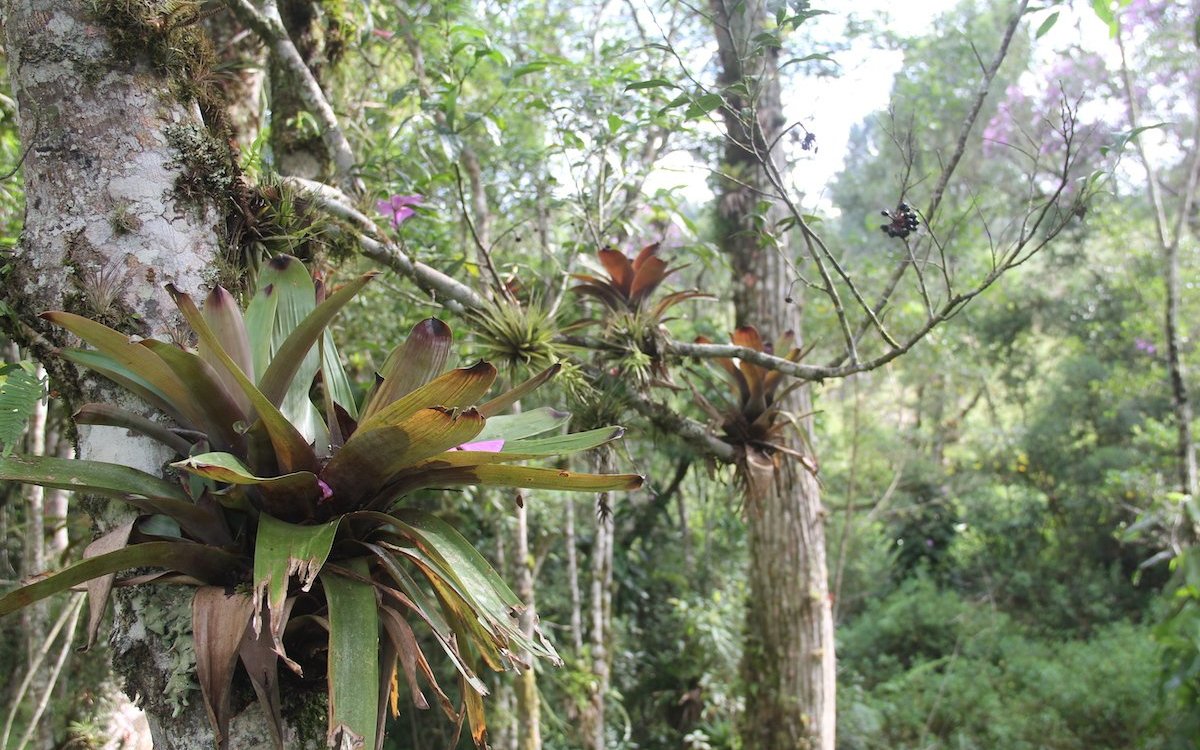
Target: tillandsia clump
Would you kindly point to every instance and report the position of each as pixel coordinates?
(289, 515)
(754, 418)
(633, 319)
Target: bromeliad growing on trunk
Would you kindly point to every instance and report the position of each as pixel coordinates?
(754, 419)
(633, 319)
(288, 515)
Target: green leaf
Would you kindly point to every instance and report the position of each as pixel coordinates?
(301, 489)
(564, 444)
(508, 398)
(807, 58)
(20, 391)
(1103, 10)
(283, 550)
(177, 397)
(372, 457)
(197, 560)
(221, 411)
(291, 449)
(353, 655)
(523, 425)
(653, 83)
(98, 477)
(678, 101)
(457, 388)
(1046, 25)
(527, 477)
(102, 364)
(334, 376)
(297, 349)
(1124, 138)
(260, 327)
(533, 66)
(703, 105)
(411, 365)
(115, 416)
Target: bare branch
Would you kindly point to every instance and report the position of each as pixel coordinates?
(448, 291)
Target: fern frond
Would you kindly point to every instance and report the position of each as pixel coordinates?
(20, 390)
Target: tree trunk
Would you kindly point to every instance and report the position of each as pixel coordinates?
(573, 576)
(298, 148)
(788, 661)
(529, 714)
(123, 186)
(592, 722)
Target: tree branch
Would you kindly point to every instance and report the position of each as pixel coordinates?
(453, 294)
(268, 25)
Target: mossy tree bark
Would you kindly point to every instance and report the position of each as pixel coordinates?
(123, 195)
(295, 143)
(788, 662)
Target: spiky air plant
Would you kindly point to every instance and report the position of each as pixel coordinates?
(516, 336)
(633, 320)
(289, 516)
(754, 419)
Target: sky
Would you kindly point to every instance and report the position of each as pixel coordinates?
(829, 107)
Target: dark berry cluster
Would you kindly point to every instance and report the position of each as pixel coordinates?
(903, 222)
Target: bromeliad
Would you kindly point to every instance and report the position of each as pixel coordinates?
(283, 505)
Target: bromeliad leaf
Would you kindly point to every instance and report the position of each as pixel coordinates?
(528, 423)
(412, 364)
(98, 477)
(372, 457)
(219, 621)
(302, 486)
(292, 450)
(283, 550)
(197, 560)
(353, 655)
(457, 388)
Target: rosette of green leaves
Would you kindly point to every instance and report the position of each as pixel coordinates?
(287, 512)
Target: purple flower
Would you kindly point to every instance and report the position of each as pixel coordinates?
(1145, 347)
(326, 491)
(398, 208)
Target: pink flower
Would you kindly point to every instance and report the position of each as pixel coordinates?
(484, 446)
(398, 208)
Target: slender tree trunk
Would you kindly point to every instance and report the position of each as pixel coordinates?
(788, 662)
(593, 718)
(35, 619)
(122, 197)
(573, 576)
(57, 501)
(1170, 231)
(529, 715)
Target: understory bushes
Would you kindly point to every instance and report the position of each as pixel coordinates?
(925, 668)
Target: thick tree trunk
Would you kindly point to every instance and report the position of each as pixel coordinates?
(122, 197)
(788, 662)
